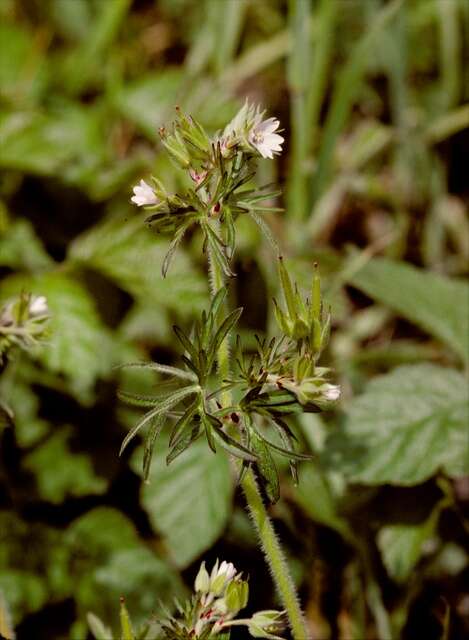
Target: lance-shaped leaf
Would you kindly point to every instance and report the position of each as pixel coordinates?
(224, 329)
(153, 433)
(183, 443)
(233, 446)
(162, 408)
(266, 467)
(183, 421)
(209, 432)
(140, 400)
(287, 452)
(187, 344)
(161, 368)
(175, 242)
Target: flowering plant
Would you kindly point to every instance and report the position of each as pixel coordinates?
(233, 402)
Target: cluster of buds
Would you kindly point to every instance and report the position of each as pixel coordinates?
(23, 322)
(222, 594)
(307, 324)
(219, 596)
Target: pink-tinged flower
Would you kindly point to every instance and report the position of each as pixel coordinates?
(263, 138)
(331, 392)
(196, 176)
(143, 194)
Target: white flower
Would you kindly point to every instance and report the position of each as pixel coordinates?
(144, 194)
(263, 138)
(227, 569)
(38, 306)
(331, 392)
(221, 576)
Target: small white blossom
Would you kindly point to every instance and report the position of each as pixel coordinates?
(143, 194)
(228, 570)
(263, 138)
(331, 391)
(38, 306)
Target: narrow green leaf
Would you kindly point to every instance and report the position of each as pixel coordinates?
(289, 453)
(183, 443)
(266, 467)
(175, 242)
(153, 433)
(187, 344)
(163, 407)
(140, 400)
(161, 368)
(183, 421)
(209, 432)
(233, 446)
(435, 303)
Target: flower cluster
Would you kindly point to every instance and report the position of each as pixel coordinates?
(219, 596)
(23, 322)
(220, 172)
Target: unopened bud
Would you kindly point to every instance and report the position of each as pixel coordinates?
(202, 581)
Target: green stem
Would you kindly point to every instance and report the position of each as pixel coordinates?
(267, 536)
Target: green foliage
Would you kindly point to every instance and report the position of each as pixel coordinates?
(373, 176)
(406, 426)
(189, 501)
(433, 302)
(59, 473)
(73, 315)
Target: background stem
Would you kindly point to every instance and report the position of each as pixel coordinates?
(265, 530)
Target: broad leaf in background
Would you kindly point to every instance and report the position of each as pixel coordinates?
(147, 101)
(60, 472)
(23, 405)
(25, 77)
(27, 586)
(406, 426)
(132, 256)
(435, 303)
(22, 249)
(314, 494)
(189, 501)
(401, 544)
(79, 345)
(110, 561)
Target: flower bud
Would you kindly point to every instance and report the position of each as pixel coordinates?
(236, 597)
(220, 576)
(265, 624)
(38, 306)
(202, 581)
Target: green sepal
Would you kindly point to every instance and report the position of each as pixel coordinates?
(126, 624)
(287, 289)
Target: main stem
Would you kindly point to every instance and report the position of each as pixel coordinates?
(265, 530)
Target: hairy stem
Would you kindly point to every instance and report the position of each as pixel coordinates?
(265, 530)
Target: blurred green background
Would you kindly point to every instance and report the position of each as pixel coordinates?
(373, 97)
